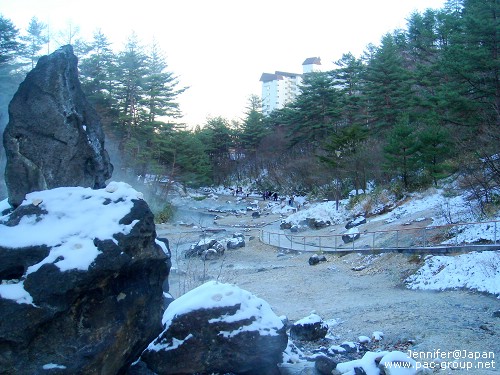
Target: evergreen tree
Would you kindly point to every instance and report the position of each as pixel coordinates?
(35, 39)
(387, 90)
(97, 69)
(315, 112)
(400, 151)
(348, 77)
(160, 88)
(254, 127)
(10, 45)
(345, 152)
(218, 138)
(434, 148)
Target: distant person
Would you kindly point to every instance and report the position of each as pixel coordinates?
(275, 195)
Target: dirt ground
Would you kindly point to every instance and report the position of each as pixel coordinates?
(357, 294)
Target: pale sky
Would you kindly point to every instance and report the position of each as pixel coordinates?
(220, 48)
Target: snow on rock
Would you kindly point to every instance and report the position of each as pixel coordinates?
(71, 259)
(377, 335)
(325, 212)
(309, 328)
(476, 270)
(398, 363)
(67, 220)
(367, 363)
(376, 363)
(203, 328)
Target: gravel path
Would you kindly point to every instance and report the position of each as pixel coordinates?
(373, 298)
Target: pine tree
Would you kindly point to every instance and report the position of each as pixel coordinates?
(315, 111)
(387, 90)
(160, 88)
(348, 76)
(35, 40)
(400, 151)
(97, 69)
(10, 45)
(434, 148)
(254, 127)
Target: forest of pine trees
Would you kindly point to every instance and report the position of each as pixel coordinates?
(422, 105)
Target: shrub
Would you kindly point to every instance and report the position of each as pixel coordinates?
(165, 214)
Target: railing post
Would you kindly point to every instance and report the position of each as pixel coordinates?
(397, 239)
(373, 241)
(304, 243)
(279, 240)
(319, 241)
(495, 236)
(335, 245)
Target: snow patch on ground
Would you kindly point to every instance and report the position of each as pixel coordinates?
(476, 270)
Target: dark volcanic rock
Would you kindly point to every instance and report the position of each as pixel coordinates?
(315, 259)
(54, 137)
(86, 320)
(236, 332)
(310, 328)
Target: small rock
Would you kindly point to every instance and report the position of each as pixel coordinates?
(325, 365)
(310, 328)
(315, 259)
(356, 222)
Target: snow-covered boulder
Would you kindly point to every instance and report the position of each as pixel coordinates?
(82, 276)
(351, 235)
(356, 222)
(217, 328)
(207, 248)
(235, 243)
(375, 363)
(310, 328)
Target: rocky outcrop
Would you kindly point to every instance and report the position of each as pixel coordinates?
(351, 235)
(82, 293)
(236, 242)
(54, 137)
(355, 222)
(310, 328)
(315, 259)
(218, 328)
(207, 248)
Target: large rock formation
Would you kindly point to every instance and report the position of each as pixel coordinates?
(217, 328)
(54, 137)
(82, 276)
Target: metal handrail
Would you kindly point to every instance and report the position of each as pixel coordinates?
(402, 241)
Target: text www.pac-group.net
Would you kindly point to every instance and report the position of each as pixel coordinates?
(455, 360)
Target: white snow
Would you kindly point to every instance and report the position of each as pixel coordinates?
(476, 270)
(170, 346)
(363, 339)
(310, 319)
(398, 362)
(325, 211)
(367, 363)
(16, 292)
(51, 366)
(76, 216)
(214, 294)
